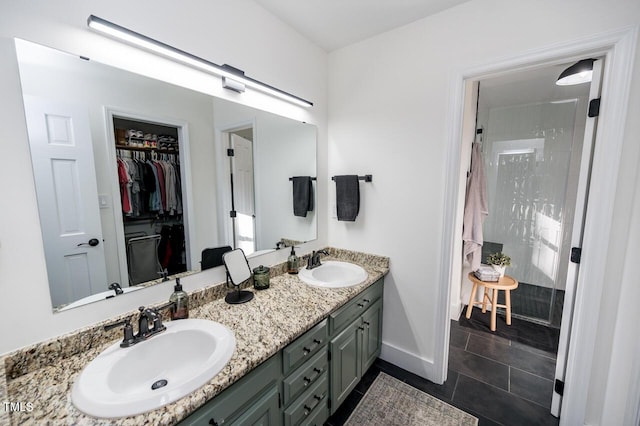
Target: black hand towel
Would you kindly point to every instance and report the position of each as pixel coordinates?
(347, 197)
(302, 195)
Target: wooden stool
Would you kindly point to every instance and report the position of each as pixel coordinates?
(505, 283)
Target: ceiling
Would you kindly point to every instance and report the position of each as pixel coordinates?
(530, 86)
(333, 24)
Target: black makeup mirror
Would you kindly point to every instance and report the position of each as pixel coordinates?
(238, 271)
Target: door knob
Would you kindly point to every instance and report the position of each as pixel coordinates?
(92, 242)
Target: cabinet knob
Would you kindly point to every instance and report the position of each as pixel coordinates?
(361, 328)
(212, 422)
(361, 305)
(366, 323)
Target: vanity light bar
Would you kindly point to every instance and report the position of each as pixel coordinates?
(124, 34)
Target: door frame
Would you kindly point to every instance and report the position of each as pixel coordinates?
(223, 171)
(618, 48)
(185, 183)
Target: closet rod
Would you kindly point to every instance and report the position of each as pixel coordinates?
(366, 178)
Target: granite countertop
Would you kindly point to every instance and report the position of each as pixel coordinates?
(273, 319)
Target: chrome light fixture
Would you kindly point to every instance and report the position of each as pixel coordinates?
(237, 77)
(578, 73)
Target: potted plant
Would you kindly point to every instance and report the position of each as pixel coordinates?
(499, 262)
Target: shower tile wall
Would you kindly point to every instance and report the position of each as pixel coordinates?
(531, 185)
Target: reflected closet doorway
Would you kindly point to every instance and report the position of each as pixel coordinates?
(163, 232)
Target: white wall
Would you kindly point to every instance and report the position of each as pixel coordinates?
(279, 56)
(389, 99)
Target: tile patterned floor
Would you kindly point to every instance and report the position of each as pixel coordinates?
(501, 382)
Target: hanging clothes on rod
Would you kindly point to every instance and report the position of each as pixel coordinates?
(149, 183)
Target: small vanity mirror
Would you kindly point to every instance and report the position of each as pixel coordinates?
(238, 271)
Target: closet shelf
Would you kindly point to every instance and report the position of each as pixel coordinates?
(147, 149)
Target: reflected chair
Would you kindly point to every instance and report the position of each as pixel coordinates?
(212, 257)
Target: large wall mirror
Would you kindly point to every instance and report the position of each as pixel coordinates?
(136, 178)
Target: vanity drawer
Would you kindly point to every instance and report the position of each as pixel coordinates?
(318, 417)
(305, 376)
(347, 313)
(307, 406)
(304, 347)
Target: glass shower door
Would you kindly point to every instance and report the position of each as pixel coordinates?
(531, 159)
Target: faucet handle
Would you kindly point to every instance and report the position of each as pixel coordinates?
(129, 338)
(116, 287)
(126, 321)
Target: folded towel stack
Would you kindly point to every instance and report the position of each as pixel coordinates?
(486, 273)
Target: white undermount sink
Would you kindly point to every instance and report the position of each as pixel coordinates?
(128, 381)
(334, 274)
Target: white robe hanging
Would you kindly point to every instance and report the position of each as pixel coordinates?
(475, 209)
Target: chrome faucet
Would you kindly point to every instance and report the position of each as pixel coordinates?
(149, 324)
(314, 259)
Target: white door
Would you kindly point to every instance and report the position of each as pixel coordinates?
(576, 241)
(243, 193)
(66, 189)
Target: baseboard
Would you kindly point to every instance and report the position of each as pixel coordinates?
(409, 361)
(456, 310)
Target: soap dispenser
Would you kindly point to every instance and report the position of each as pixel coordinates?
(292, 262)
(180, 299)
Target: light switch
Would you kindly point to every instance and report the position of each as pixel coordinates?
(104, 200)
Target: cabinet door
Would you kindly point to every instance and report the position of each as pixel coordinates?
(346, 363)
(243, 398)
(264, 412)
(371, 335)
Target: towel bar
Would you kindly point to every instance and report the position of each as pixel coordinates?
(366, 178)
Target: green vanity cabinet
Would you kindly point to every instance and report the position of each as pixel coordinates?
(306, 381)
(252, 400)
(355, 348)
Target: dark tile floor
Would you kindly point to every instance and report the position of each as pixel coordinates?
(501, 382)
(537, 302)
(523, 332)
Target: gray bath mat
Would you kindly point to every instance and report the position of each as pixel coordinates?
(392, 402)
